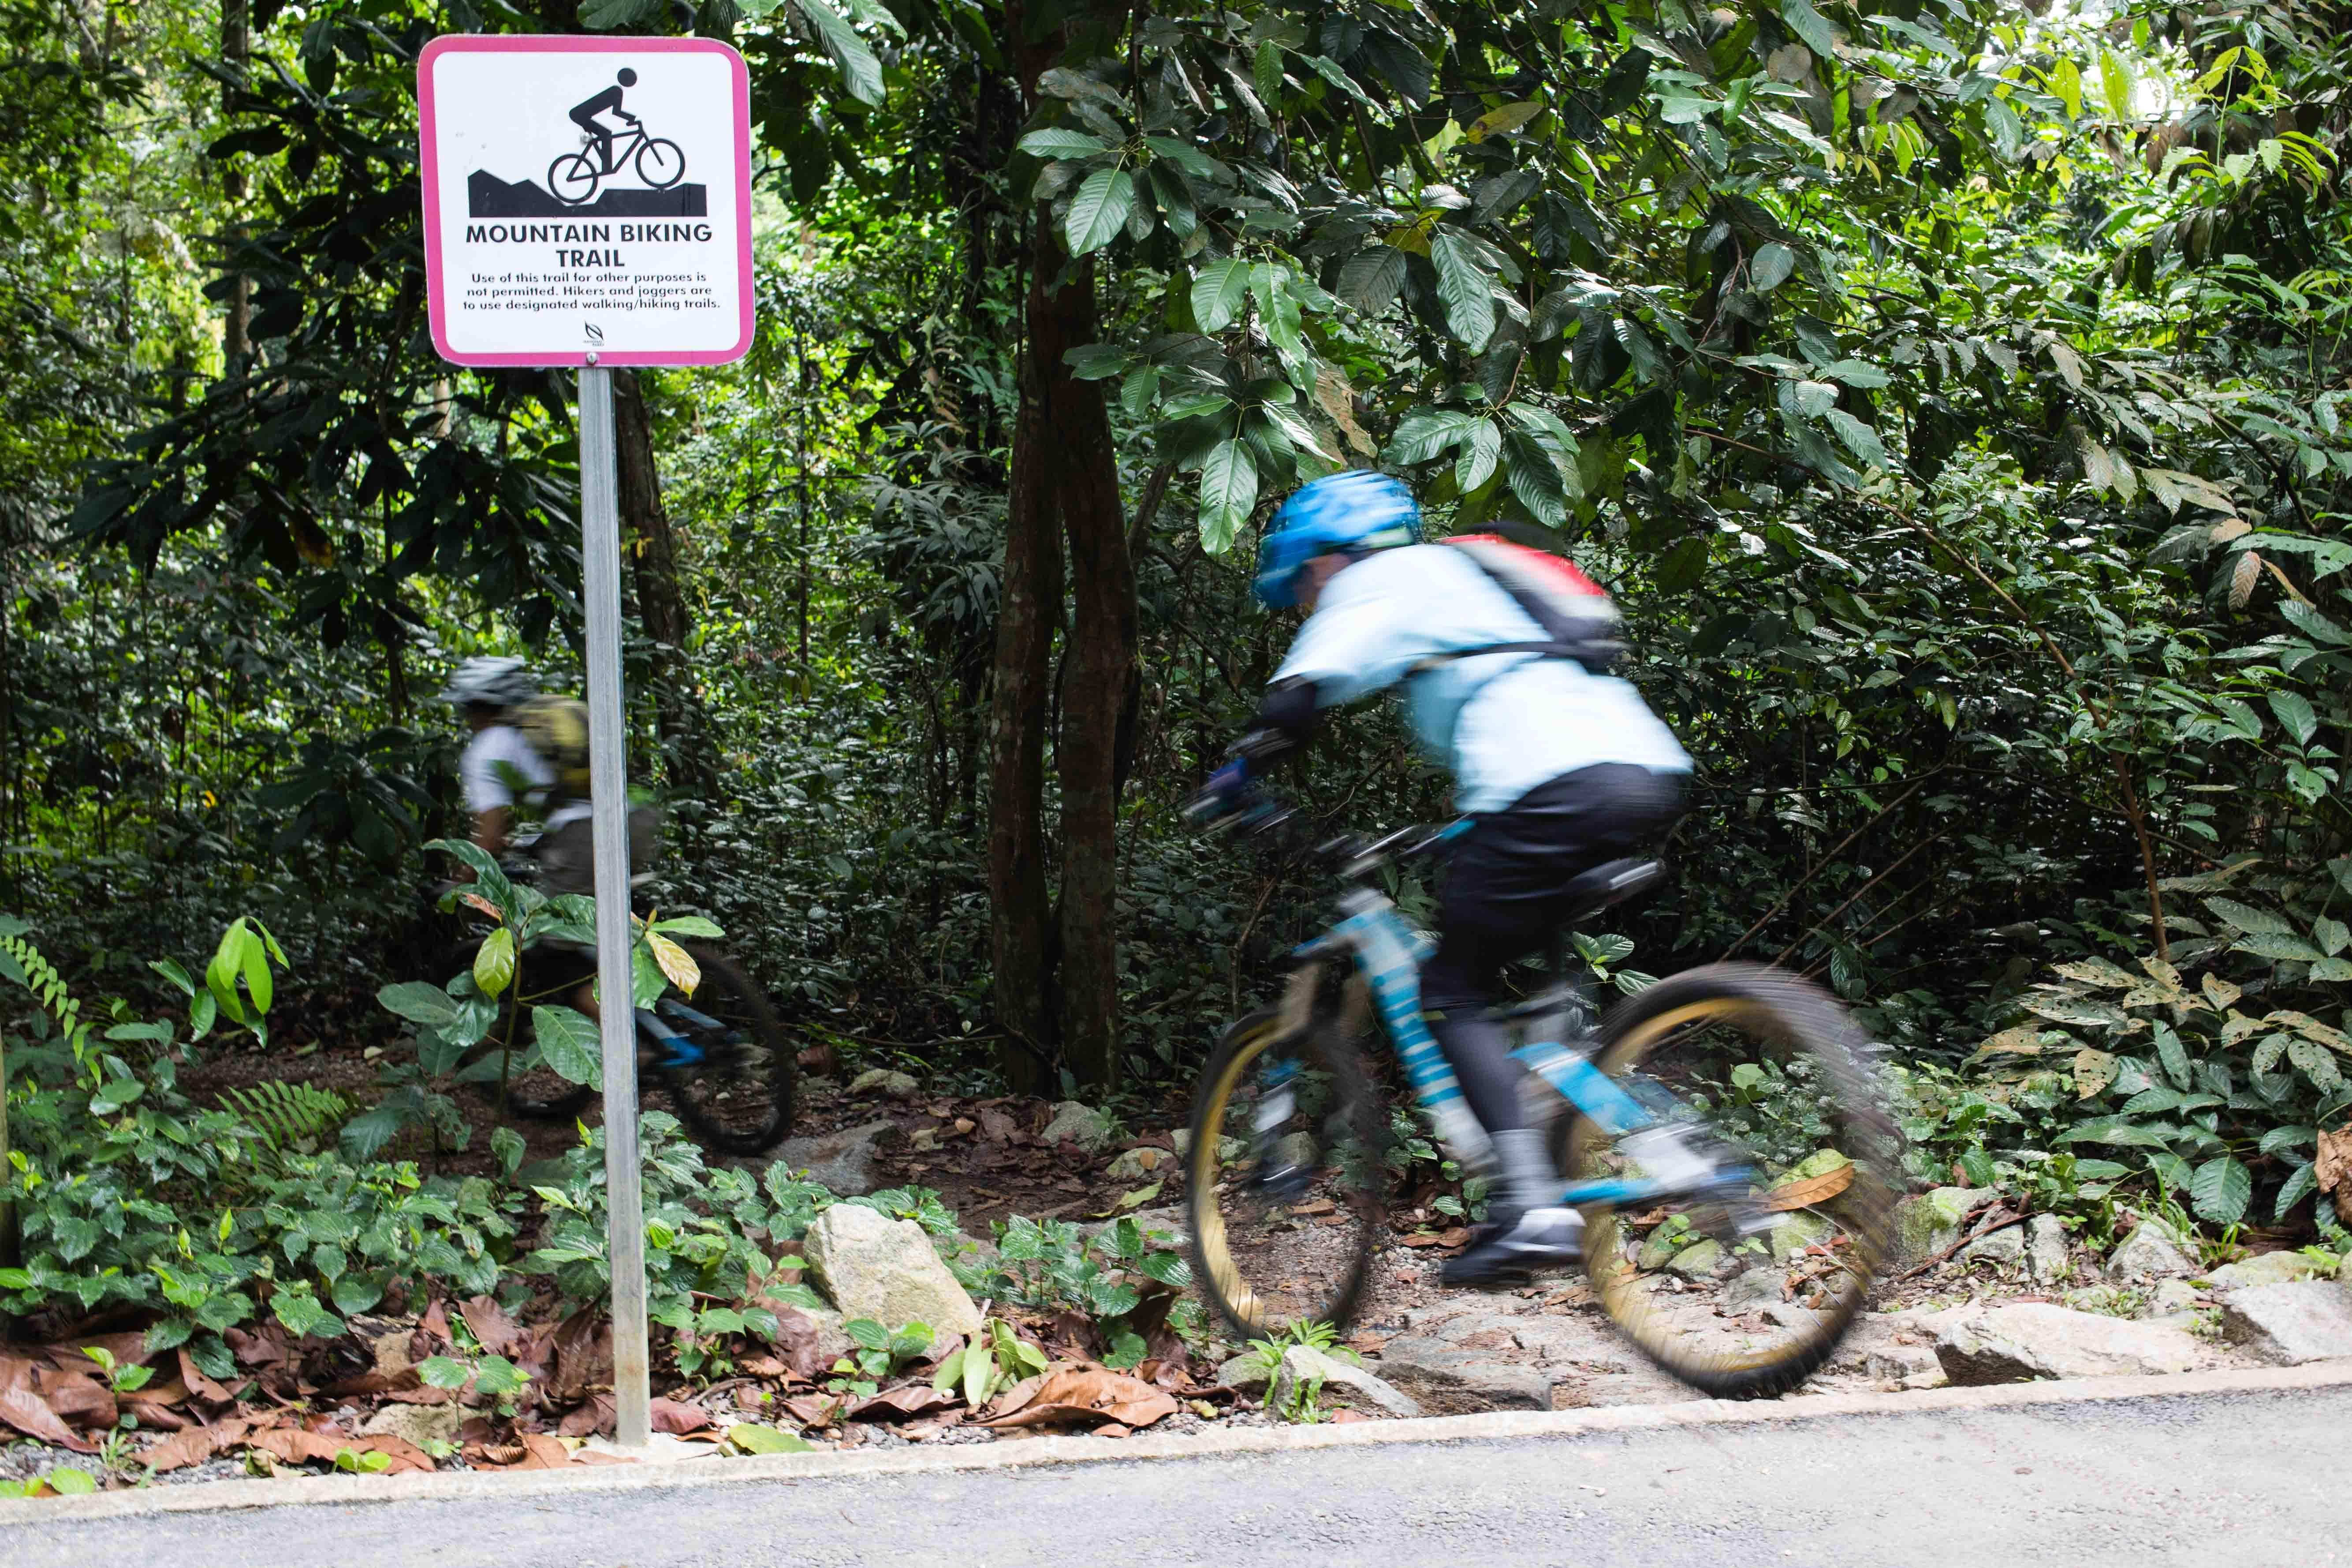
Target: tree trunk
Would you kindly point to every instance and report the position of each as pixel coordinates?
(1098, 676)
(236, 342)
(1064, 482)
(684, 728)
(1029, 607)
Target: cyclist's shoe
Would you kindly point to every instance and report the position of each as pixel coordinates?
(1515, 1245)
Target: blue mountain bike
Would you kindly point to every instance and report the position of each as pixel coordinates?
(1720, 1131)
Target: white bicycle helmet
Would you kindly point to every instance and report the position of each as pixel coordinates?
(489, 682)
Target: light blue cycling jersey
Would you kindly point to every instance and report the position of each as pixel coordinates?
(1502, 722)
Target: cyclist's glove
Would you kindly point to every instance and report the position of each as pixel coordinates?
(1228, 791)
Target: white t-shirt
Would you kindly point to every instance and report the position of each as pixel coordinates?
(489, 757)
(1504, 722)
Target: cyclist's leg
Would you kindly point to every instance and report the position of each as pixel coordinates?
(1501, 898)
(567, 858)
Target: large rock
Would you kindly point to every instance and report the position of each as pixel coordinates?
(2004, 1248)
(1797, 1231)
(886, 1080)
(2046, 1260)
(1301, 1365)
(1698, 1260)
(1075, 1123)
(2029, 1340)
(419, 1424)
(2270, 1269)
(1890, 1347)
(1753, 1289)
(872, 1266)
(2152, 1251)
(1245, 1374)
(1457, 1380)
(846, 1162)
(2291, 1322)
(1925, 1224)
(1144, 1164)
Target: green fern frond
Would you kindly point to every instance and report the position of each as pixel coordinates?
(289, 1115)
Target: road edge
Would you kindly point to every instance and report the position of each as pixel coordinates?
(311, 1492)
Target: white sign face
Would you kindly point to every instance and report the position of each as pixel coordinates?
(586, 196)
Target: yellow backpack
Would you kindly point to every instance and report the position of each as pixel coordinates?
(557, 728)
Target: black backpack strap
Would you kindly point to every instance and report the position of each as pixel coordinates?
(1598, 655)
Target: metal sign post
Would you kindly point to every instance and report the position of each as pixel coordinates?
(608, 783)
(588, 203)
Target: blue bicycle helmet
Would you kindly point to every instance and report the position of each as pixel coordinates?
(1353, 509)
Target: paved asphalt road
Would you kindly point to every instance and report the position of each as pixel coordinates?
(2253, 1479)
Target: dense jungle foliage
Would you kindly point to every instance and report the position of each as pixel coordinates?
(1954, 396)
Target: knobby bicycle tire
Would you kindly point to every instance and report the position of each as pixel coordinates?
(746, 1110)
(1269, 1264)
(1806, 1023)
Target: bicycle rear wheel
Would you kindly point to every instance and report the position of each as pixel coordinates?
(1744, 1289)
(738, 1098)
(660, 163)
(1284, 1177)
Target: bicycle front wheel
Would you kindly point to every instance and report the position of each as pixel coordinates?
(738, 1098)
(1284, 1178)
(660, 163)
(574, 178)
(1743, 1286)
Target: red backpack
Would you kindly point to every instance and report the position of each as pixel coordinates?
(1578, 620)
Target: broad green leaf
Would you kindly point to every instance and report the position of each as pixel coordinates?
(1856, 373)
(1859, 438)
(2246, 918)
(2295, 712)
(1809, 25)
(2066, 81)
(1482, 454)
(1815, 398)
(1371, 277)
(1062, 145)
(1495, 122)
(420, 1004)
(1218, 291)
(2174, 1056)
(1099, 210)
(2279, 947)
(2296, 1187)
(1535, 479)
(1096, 362)
(2116, 86)
(1425, 432)
(494, 962)
(569, 1043)
(750, 1438)
(1463, 285)
(861, 73)
(1770, 267)
(1184, 155)
(690, 925)
(2221, 1190)
(1228, 494)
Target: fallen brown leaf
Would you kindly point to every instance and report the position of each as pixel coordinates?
(493, 1329)
(898, 1403)
(1343, 1418)
(296, 1447)
(1813, 1190)
(193, 1447)
(1113, 1429)
(1321, 1205)
(542, 1452)
(77, 1398)
(1090, 1395)
(1457, 1237)
(582, 1357)
(203, 1387)
(596, 1415)
(1418, 1238)
(597, 1457)
(2331, 1164)
(669, 1416)
(496, 1456)
(814, 1409)
(436, 1322)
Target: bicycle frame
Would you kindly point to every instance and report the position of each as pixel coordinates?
(1388, 951)
(635, 136)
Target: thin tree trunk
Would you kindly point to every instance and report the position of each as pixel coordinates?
(1030, 603)
(1098, 676)
(236, 341)
(661, 608)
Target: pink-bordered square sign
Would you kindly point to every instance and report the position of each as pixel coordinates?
(586, 196)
